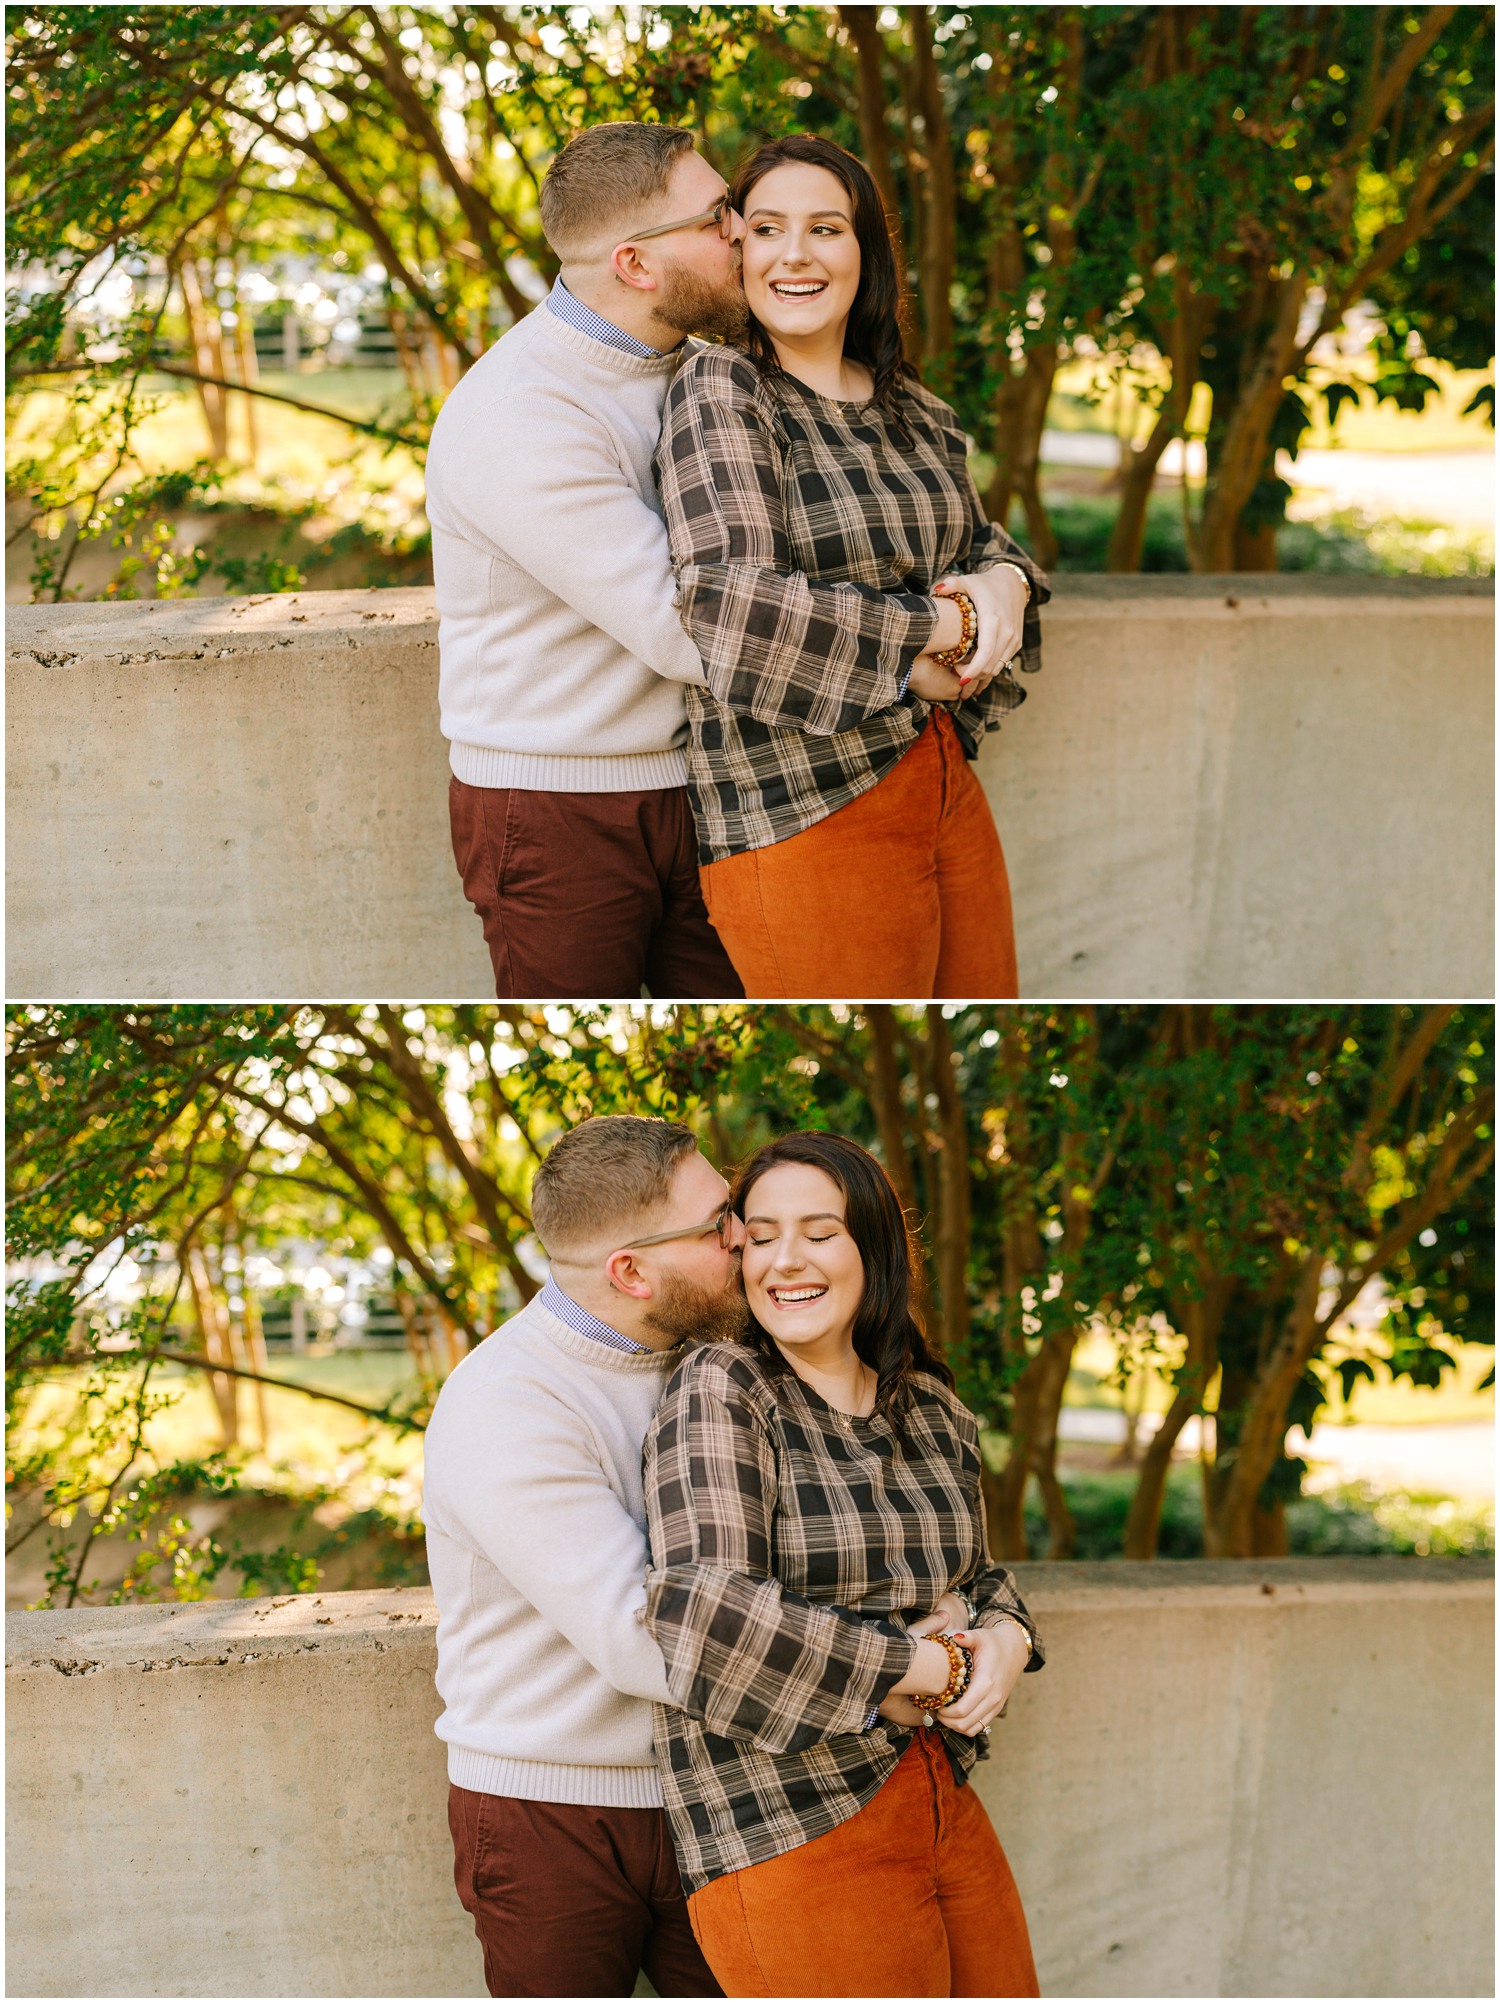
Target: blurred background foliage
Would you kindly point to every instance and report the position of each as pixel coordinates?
(1197, 236)
(246, 1245)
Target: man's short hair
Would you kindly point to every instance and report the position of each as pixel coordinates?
(607, 1178)
(607, 177)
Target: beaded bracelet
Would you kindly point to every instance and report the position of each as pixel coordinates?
(960, 1672)
(951, 656)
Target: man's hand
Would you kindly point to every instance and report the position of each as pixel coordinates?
(1000, 1655)
(947, 1617)
(935, 684)
(1000, 598)
(901, 1711)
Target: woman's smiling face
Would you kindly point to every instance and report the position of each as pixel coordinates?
(800, 254)
(803, 1275)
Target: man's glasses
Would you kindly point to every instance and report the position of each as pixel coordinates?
(718, 1222)
(718, 215)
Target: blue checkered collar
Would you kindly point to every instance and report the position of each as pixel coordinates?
(561, 302)
(583, 1323)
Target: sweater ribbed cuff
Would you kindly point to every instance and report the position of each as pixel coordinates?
(542, 772)
(553, 1780)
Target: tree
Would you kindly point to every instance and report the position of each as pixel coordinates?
(184, 1139)
(1207, 190)
(1218, 1185)
(1215, 1185)
(1291, 161)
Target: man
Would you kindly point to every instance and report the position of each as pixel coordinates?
(562, 655)
(536, 1539)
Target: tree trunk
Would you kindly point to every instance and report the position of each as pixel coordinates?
(994, 1518)
(1057, 1360)
(213, 1333)
(1005, 1508)
(1038, 522)
(950, 1230)
(862, 26)
(933, 188)
(251, 1342)
(249, 371)
(1255, 549)
(1143, 1521)
(1254, 1399)
(205, 337)
(418, 1346)
(1243, 446)
(1138, 464)
(1268, 1533)
(884, 1074)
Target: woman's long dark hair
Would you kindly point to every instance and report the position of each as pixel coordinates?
(874, 332)
(887, 1334)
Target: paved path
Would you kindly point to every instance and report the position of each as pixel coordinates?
(1434, 1459)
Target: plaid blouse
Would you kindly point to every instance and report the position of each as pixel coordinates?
(790, 1544)
(806, 536)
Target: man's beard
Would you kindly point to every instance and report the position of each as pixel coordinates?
(685, 1311)
(693, 306)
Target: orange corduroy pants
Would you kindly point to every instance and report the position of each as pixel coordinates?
(910, 1897)
(902, 893)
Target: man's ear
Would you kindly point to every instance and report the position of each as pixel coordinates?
(628, 266)
(626, 1277)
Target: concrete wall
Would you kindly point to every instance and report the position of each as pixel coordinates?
(1240, 786)
(1270, 1780)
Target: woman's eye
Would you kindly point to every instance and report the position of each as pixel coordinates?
(762, 1241)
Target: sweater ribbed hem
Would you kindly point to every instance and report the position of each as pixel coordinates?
(552, 1780)
(546, 772)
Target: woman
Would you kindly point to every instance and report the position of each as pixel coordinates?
(818, 500)
(808, 1491)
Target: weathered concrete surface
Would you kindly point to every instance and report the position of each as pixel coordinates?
(1268, 1780)
(1219, 786)
(1259, 1780)
(1255, 787)
(231, 1799)
(232, 798)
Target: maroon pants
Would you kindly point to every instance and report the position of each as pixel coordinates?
(588, 894)
(572, 1901)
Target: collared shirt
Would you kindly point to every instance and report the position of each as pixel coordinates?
(583, 1323)
(561, 302)
(806, 535)
(790, 1546)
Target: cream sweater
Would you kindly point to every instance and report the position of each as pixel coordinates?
(536, 1541)
(562, 656)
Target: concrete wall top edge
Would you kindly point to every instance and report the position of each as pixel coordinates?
(146, 632)
(80, 1640)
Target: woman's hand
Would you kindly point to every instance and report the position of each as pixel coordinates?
(1000, 598)
(1000, 1655)
(931, 1666)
